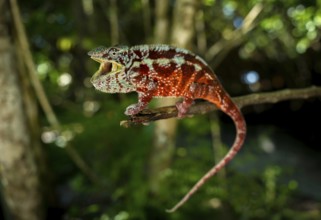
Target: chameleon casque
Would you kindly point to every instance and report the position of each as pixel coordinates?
(166, 71)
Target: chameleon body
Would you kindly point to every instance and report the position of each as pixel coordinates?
(166, 71)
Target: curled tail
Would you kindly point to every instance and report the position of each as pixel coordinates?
(223, 102)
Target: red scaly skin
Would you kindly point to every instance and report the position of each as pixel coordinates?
(165, 71)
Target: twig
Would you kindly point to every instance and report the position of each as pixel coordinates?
(39, 90)
(149, 115)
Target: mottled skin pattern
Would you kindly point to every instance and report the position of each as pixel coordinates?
(165, 71)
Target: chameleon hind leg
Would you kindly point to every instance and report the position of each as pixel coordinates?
(183, 106)
(188, 100)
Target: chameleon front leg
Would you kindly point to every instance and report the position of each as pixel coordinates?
(143, 100)
(145, 95)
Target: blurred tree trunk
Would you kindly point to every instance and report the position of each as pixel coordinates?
(163, 144)
(20, 183)
(147, 17)
(183, 29)
(161, 31)
(165, 130)
(113, 19)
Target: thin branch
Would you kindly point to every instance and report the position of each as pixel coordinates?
(149, 115)
(40, 92)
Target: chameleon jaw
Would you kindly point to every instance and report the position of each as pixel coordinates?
(111, 78)
(107, 67)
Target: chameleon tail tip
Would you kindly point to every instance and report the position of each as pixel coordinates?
(170, 210)
(174, 208)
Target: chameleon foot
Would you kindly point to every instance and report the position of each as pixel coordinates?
(134, 109)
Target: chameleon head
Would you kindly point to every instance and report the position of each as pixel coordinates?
(110, 77)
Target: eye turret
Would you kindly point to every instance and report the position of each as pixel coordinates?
(113, 52)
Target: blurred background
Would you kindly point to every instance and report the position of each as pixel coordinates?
(64, 155)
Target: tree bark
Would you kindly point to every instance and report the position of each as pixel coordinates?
(19, 176)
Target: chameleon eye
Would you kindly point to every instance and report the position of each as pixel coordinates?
(113, 51)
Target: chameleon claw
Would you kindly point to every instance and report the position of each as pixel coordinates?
(134, 109)
(181, 109)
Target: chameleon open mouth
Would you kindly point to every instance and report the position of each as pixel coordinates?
(107, 67)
